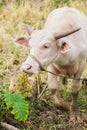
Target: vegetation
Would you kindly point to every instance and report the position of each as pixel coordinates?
(36, 114)
(14, 102)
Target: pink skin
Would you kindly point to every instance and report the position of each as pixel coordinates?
(30, 66)
(45, 57)
(45, 51)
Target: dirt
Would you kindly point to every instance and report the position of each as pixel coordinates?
(45, 116)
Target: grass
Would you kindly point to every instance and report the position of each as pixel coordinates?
(12, 18)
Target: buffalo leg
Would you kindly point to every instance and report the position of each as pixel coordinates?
(55, 86)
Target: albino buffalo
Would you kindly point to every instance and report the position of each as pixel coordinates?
(61, 46)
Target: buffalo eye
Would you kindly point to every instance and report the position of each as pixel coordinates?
(45, 46)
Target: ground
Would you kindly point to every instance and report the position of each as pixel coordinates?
(45, 116)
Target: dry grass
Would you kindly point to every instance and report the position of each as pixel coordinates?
(12, 18)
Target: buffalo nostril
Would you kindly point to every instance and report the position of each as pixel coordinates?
(29, 67)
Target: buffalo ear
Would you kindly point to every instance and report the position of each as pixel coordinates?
(22, 41)
(65, 47)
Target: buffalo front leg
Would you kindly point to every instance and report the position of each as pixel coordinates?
(55, 86)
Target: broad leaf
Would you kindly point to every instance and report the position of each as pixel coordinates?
(18, 105)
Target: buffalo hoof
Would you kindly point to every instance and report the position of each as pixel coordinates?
(62, 105)
(78, 117)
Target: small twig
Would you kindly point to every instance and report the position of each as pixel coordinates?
(42, 92)
(8, 127)
(74, 125)
(11, 87)
(35, 90)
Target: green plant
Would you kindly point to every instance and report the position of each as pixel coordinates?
(82, 98)
(66, 94)
(3, 109)
(16, 104)
(59, 3)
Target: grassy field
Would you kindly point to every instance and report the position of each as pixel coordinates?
(12, 17)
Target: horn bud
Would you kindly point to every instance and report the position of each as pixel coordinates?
(28, 27)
